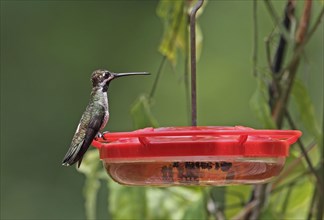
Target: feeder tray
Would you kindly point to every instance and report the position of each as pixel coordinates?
(200, 155)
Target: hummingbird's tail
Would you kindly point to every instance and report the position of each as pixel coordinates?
(74, 155)
(67, 162)
(84, 137)
(76, 151)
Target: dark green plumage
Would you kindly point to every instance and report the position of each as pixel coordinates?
(93, 119)
(95, 116)
(90, 124)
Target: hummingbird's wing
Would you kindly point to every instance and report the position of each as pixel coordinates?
(83, 138)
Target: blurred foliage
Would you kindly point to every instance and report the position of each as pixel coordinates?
(260, 105)
(175, 20)
(305, 108)
(92, 169)
(175, 17)
(174, 203)
(48, 50)
(141, 113)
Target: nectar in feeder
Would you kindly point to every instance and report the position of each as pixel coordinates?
(195, 155)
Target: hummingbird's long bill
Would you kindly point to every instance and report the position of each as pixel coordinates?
(130, 74)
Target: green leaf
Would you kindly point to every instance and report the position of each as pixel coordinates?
(300, 196)
(268, 213)
(297, 203)
(127, 202)
(91, 167)
(199, 41)
(141, 113)
(305, 108)
(296, 168)
(197, 209)
(218, 196)
(174, 17)
(236, 197)
(170, 203)
(260, 105)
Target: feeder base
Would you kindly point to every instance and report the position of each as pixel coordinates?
(195, 172)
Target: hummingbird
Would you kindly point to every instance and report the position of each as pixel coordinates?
(95, 117)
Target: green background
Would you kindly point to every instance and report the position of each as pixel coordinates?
(50, 48)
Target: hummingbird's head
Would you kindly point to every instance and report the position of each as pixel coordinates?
(101, 78)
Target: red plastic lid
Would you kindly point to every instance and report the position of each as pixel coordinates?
(196, 141)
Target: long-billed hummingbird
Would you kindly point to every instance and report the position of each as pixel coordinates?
(95, 116)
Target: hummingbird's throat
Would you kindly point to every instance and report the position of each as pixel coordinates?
(105, 87)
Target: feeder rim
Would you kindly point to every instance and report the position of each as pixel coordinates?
(290, 136)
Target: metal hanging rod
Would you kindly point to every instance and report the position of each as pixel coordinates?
(193, 61)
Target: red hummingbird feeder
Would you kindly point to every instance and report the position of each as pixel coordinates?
(195, 155)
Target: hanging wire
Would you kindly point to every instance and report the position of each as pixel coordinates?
(193, 61)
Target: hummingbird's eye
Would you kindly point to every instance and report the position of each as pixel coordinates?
(106, 75)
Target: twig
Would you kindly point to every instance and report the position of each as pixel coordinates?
(300, 48)
(304, 21)
(276, 19)
(157, 77)
(311, 206)
(281, 49)
(268, 51)
(292, 182)
(245, 212)
(315, 26)
(292, 165)
(279, 107)
(276, 66)
(286, 200)
(320, 203)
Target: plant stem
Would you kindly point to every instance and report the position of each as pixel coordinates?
(292, 182)
(276, 19)
(293, 165)
(276, 65)
(152, 93)
(311, 206)
(320, 204)
(286, 200)
(278, 109)
(170, 45)
(281, 49)
(304, 152)
(282, 87)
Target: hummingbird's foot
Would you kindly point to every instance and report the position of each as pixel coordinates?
(103, 135)
(99, 135)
